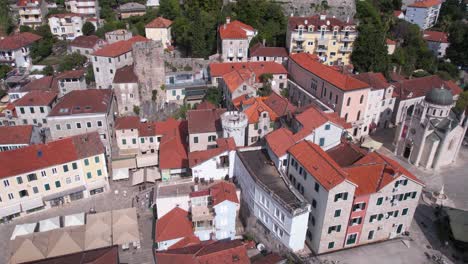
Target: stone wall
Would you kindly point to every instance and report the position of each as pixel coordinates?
(342, 9)
(185, 64)
(149, 66)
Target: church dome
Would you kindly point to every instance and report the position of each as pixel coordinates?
(439, 96)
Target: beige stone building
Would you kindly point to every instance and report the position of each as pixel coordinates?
(327, 37)
(131, 9)
(58, 172)
(204, 127)
(126, 89)
(160, 30)
(234, 38)
(34, 107)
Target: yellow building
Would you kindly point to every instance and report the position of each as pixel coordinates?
(41, 176)
(329, 38)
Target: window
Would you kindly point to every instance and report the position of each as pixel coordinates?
(133, 141)
(54, 170)
(314, 203)
(88, 124)
(337, 213)
(322, 142)
(327, 127)
(99, 173)
(211, 138)
(35, 189)
(124, 141)
(68, 126)
(96, 159)
(370, 236)
(77, 178)
(68, 180)
(151, 139)
(362, 99)
(86, 162)
(46, 186)
(57, 184)
(78, 125)
(413, 194)
(195, 140)
(88, 175)
(65, 168)
(334, 228)
(6, 183)
(380, 216)
(97, 69)
(142, 140)
(351, 239)
(358, 115)
(359, 207)
(355, 221)
(331, 245)
(41, 109)
(43, 173)
(99, 123)
(372, 218)
(346, 117)
(19, 180)
(58, 127)
(32, 177)
(405, 211)
(22, 110)
(380, 201)
(74, 166)
(31, 109)
(343, 196)
(348, 102)
(10, 196)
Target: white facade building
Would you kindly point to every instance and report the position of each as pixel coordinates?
(235, 38)
(83, 7)
(15, 49)
(68, 26)
(423, 13)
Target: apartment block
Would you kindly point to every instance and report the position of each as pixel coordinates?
(84, 111)
(234, 40)
(32, 13)
(15, 49)
(88, 8)
(259, 52)
(67, 26)
(34, 107)
(327, 37)
(204, 128)
(14, 137)
(58, 172)
(437, 42)
(423, 13)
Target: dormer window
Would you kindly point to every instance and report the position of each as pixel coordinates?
(311, 29)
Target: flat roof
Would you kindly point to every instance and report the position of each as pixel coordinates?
(262, 169)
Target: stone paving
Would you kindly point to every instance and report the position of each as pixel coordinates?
(123, 198)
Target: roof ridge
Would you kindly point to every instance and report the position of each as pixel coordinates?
(328, 162)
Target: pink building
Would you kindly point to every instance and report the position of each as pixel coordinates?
(342, 93)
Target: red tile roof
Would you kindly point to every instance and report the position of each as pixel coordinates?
(397, 13)
(418, 87)
(159, 22)
(87, 42)
(234, 30)
(375, 80)
(223, 191)
(280, 140)
(205, 105)
(186, 242)
(78, 102)
(26, 2)
(51, 154)
(316, 161)
(120, 47)
(15, 134)
(125, 75)
(280, 105)
(42, 84)
(346, 153)
(145, 129)
(73, 74)
(207, 252)
(425, 3)
(235, 79)
(329, 22)
(175, 224)
(173, 147)
(390, 42)
(435, 36)
(258, 67)
(261, 51)
(204, 121)
(254, 107)
(339, 80)
(18, 41)
(37, 98)
(198, 157)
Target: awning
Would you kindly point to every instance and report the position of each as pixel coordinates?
(147, 160)
(10, 210)
(32, 203)
(64, 193)
(138, 176)
(371, 144)
(75, 219)
(120, 174)
(152, 174)
(49, 224)
(24, 229)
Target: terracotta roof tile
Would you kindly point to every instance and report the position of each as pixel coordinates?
(18, 40)
(175, 224)
(173, 147)
(235, 79)
(223, 191)
(254, 107)
(83, 102)
(37, 98)
(205, 105)
(50, 154)
(119, 48)
(16, 134)
(417, 87)
(425, 3)
(280, 140)
(26, 2)
(42, 84)
(262, 51)
(346, 154)
(71, 74)
(125, 75)
(280, 105)
(390, 42)
(435, 36)
(88, 42)
(341, 81)
(159, 22)
(258, 67)
(375, 80)
(397, 13)
(186, 242)
(204, 121)
(234, 30)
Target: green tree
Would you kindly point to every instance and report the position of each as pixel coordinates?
(109, 26)
(458, 38)
(213, 95)
(4, 69)
(71, 61)
(88, 28)
(41, 49)
(136, 110)
(169, 9)
(89, 74)
(462, 102)
(48, 70)
(24, 28)
(6, 23)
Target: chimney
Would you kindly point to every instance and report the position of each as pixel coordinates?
(263, 41)
(228, 20)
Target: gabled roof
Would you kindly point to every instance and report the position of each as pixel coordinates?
(77, 102)
(18, 41)
(26, 2)
(125, 74)
(425, 3)
(280, 140)
(397, 13)
(42, 84)
(175, 224)
(234, 30)
(223, 191)
(85, 41)
(37, 98)
(418, 87)
(435, 36)
(261, 51)
(198, 157)
(173, 147)
(15, 134)
(235, 79)
(254, 107)
(71, 74)
(375, 80)
(280, 105)
(132, 7)
(120, 47)
(46, 155)
(159, 22)
(258, 67)
(341, 81)
(205, 120)
(317, 163)
(390, 42)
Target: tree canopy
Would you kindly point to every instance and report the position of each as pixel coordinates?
(72, 61)
(88, 28)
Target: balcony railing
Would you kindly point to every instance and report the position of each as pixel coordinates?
(346, 49)
(298, 38)
(347, 39)
(321, 49)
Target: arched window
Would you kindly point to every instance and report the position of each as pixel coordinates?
(348, 102)
(358, 115)
(362, 99)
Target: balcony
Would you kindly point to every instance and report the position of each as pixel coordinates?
(30, 12)
(321, 49)
(298, 48)
(240, 55)
(346, 49)
(299, 38)
(202, 213)
(347, 39)
(322, 41)
(202, 225)
(230, 55)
